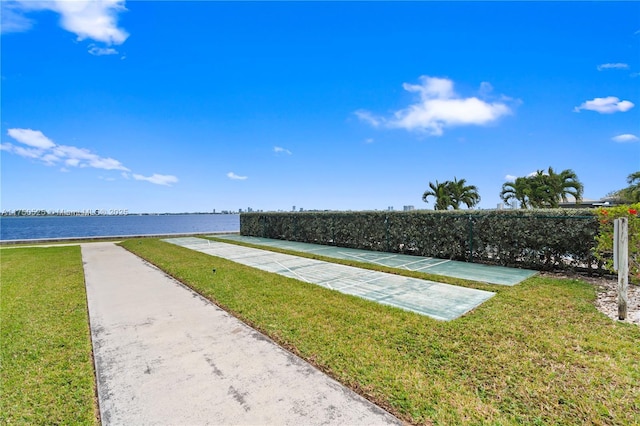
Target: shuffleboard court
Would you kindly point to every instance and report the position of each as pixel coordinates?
(436, 300)
(450, 268)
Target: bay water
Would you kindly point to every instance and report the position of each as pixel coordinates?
(51, 227)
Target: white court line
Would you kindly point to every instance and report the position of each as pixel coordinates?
(241, 254)
(435, 264)
(364, 254)
(307, 249)
(328, 283)
(404, 265)
(353, 279)
(378, 289)
(294, 273)
(378, 261)
(368, 260)
(323, 282)
(362, 283)
(319, 249)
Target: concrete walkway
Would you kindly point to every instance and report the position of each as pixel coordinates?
(165, 355)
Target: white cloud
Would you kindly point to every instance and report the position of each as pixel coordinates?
(74, 152)
(368, 117)
(627, 137)
(11, 20)
(96, 20)
(280, 150)
(106, 164)
(22, 151)
(617, 65)
(81, 157)
(485, 88)
(88, 19)
(33, 138)
(369, 140)
(50, 159)
(166, 180)
(39, 147)
(511, 178)
(607, 105)
(431, 87)
(440, 107)
(44, 149)
(234, 176)
(102, 51)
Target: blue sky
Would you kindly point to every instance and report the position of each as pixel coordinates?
(194, 106)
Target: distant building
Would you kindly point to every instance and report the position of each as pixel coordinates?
(408, 208)
(586, 203)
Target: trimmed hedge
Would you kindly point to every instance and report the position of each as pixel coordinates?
(542, 239)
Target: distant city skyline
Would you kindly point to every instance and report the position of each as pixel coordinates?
(196, 106)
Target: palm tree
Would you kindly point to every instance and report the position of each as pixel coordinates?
(516, 191)
(633, 191)
(563, 184)
(540, 190)
(452, 194)
(543, 189)
(462, 194)
(441, 193)
(630, 194)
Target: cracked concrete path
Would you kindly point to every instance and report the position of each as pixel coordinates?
(165, 355)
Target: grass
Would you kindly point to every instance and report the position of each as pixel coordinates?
(45, 352)
(536, 353)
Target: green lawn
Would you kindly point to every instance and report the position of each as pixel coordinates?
(536, 353)
(46, 365)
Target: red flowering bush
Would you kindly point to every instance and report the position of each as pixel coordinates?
(604, 239)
